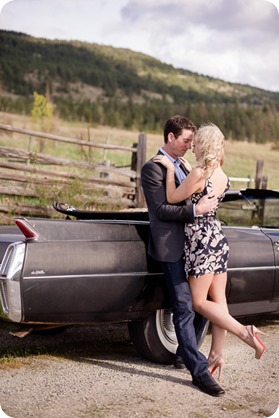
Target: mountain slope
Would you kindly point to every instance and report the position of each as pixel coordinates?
(120, 87)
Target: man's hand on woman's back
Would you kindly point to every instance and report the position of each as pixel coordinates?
(206, 204)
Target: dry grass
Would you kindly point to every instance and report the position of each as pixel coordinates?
(240, 161)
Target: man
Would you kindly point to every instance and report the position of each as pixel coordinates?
(166, 244)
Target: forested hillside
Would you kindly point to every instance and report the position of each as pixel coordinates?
(118, 87)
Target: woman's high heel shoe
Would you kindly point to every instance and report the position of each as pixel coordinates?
(217, 363)
(256, 342)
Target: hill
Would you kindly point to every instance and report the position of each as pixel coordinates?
(118, 87)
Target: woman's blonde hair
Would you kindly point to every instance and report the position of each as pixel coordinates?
(212, 144)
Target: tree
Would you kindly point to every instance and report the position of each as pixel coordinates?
(42, 112)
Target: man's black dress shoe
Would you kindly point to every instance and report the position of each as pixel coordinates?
(207, 384)
(178, 362)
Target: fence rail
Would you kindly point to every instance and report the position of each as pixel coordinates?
(24, 173)
(247, 180)
(59, 138)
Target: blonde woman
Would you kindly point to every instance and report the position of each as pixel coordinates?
(206, 246)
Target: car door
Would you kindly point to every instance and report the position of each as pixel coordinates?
(251, 267)
(273, 235)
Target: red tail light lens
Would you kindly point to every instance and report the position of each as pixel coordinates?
(27, 229)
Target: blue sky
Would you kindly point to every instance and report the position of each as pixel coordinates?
(235, 40)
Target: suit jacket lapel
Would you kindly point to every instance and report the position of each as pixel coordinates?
(184, 169)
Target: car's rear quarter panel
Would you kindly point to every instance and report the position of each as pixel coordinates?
(101, 273)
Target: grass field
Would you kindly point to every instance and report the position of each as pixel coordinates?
(240, 157)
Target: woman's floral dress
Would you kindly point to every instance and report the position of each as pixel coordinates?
(206, 246)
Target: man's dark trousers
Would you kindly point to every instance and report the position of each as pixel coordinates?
(188, 325)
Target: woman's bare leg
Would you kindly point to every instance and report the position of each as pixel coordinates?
(218, 315)
(217, 293)
(213, 311)
(217, 342)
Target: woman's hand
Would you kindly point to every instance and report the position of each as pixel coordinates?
(165, 161)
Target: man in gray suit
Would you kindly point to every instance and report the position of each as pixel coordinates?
(166, 245)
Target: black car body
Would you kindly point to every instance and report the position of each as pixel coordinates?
(93, 267)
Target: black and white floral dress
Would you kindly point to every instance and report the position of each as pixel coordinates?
(206, 246)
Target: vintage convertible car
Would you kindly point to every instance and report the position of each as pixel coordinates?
(93, 267)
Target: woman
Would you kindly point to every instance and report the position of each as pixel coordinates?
(206, 247)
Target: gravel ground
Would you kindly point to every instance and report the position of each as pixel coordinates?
(96, 372)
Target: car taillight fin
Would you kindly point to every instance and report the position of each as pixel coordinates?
(27, 229)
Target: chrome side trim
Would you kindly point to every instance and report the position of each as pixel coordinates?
(136, 273)
(78, 276)
(261, 268)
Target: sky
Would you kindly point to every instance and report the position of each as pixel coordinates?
(233, 40)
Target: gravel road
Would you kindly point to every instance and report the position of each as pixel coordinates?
(96, 372)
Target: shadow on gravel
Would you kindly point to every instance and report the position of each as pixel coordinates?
(100, 345)
(72, 341)
(96, 343)
(131, 369)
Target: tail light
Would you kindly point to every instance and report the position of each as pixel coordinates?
(27, 229)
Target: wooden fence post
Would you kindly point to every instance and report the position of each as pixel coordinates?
(259, 174)
(264, 182)
(137, 162)
(29, 150)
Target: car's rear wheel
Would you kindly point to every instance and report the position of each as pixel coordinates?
(154, 337)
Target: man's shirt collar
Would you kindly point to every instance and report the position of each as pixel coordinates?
(179, 173)
(177, 161)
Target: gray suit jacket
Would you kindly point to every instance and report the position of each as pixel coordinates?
(166, 238)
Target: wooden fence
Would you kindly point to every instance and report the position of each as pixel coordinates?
(24, 172)
(260, 181)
